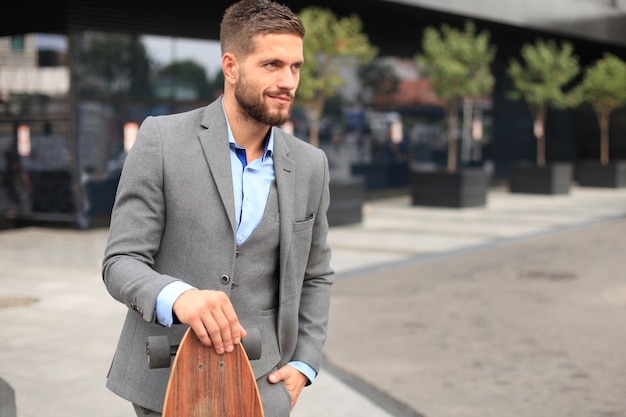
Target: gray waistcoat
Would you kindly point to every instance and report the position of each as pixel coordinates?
(254, 292)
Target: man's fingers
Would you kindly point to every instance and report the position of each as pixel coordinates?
(212, 317)
(200, 331)
(293, 379)
(218, 329)
(242, 334)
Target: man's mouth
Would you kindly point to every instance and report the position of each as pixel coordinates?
(286, 97)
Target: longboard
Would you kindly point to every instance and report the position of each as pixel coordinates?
(203, 383)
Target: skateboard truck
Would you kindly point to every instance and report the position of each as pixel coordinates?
(160, 352)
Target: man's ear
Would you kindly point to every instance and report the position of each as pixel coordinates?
(230, 67)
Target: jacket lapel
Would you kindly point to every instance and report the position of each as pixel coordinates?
(284, 169)
(214, 142)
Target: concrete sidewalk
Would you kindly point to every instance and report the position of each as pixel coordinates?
(396, 273)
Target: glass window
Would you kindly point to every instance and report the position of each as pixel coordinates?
(120, 80)
(34, 76)
(17, 43)
(116, 65)
(185, 69)
(35, 146)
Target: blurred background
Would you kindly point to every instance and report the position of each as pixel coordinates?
(77, 78)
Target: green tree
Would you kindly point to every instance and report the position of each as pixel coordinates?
(604, 87)
(378, 79)
(540, 80)
(113, 65)
(457, 62)
(216, 84)
(330, 44)
(187, 73)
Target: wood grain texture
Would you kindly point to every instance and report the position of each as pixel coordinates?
(205, 384)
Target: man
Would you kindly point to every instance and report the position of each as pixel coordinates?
(220, 223)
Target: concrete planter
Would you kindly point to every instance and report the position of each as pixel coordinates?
(383, 176)
(7, 400)
(594, 174)
(527, 178)
(465, 188)
(346, 201)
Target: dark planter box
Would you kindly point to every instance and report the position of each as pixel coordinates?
(383, 176)
(7, 399)
(527, 178)
(465, 188)
(346, 201)
(594, 174)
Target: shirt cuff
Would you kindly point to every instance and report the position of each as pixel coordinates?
(305, 369)
(165, 300)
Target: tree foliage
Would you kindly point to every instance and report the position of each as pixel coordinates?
(604, 87)
(457, 62)
(330, 43)
(113, 65)
(378, 78)
(541, 79)
(190, 74)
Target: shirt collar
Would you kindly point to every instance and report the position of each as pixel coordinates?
(269, 143)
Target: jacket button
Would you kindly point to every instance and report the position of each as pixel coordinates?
(225, 279)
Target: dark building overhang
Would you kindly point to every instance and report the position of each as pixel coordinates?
(394, 27)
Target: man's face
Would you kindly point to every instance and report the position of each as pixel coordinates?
(268, 78)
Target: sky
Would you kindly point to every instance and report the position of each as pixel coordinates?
(166, 49)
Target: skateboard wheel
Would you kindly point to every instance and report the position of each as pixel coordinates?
(252, 344)
(159, 352)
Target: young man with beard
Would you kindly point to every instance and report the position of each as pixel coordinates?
(220, 223)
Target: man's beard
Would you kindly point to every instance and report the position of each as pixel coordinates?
(256, 109)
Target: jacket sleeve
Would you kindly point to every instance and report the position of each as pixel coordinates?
(136, 226)
(315, 299)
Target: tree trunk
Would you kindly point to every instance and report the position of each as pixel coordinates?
(314, 114)
(453, 121)
(603, 120)
(468, 118)
(314, 127)
(539, 121)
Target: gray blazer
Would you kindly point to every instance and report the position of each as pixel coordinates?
(174, 219)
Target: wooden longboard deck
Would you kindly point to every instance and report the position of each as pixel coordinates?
(205, 384)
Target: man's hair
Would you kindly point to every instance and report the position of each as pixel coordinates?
(248, 18)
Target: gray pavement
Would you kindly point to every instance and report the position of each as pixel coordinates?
(513, 309)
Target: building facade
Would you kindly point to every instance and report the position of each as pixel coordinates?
(77, 79)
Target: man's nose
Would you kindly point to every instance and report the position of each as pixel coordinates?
(288, 79)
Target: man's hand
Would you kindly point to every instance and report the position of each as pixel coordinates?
(212, 317)
(293, 379)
